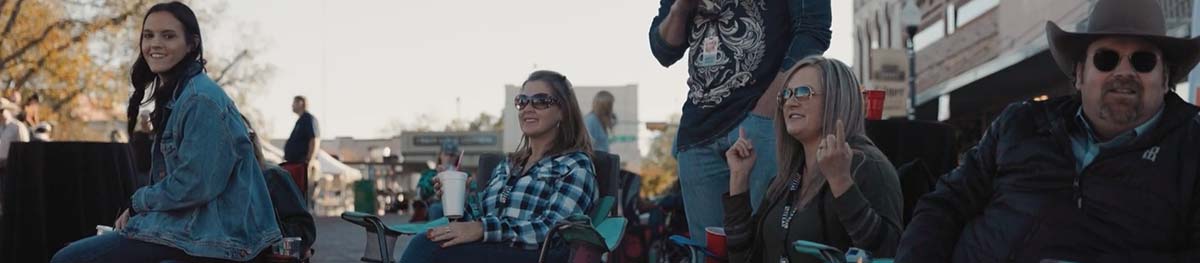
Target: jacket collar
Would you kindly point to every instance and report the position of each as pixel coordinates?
(1174, 114)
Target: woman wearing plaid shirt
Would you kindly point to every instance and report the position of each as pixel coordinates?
(547, 179)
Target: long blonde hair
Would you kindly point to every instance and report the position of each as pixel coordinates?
(843, 100)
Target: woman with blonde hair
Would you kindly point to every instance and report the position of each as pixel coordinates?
(833, 185)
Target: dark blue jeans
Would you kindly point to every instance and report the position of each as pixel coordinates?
(423, 250)
(113, 247)
(704, 174)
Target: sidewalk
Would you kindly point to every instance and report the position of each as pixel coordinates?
(339, 241)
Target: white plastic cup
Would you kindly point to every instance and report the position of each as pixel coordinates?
(454, 193)
(103, 229)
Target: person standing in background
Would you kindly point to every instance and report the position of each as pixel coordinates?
(11, 130)
(601, 120)
(300, 151)
(735, 50)
(29, 111)
(14, 96)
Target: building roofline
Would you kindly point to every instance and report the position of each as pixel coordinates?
(988, 68)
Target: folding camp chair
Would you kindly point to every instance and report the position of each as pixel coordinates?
(609, 229)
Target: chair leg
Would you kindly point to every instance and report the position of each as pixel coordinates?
(697, 256)
(373, 252)
(384, 244)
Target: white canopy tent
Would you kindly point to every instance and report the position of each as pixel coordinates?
(331, 193)
(329, 166)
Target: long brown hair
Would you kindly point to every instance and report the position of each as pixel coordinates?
(572, 134)
(842, 101)
(602, 107)
(141, 77)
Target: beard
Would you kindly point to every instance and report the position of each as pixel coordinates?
(1120, 108)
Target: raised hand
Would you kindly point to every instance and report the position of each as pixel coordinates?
(833, 159)
(740, 158)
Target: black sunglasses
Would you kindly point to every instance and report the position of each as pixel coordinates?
(801, 92)
(540, 101)
(1107, 60)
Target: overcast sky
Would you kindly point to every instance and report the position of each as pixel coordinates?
(366, 63)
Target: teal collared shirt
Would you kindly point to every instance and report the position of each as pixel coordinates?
(1086, 147)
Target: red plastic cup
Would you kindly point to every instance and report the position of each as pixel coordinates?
(874, 103)
(716, 241)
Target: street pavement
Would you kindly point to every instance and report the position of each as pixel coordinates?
(339, 241)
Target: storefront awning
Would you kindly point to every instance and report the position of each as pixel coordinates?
(1015, 76)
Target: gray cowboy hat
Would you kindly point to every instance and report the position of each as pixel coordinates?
(1135, 18)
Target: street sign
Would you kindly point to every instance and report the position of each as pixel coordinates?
(889, 73)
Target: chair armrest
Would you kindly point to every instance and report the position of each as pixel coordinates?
(358, 218)
(612, 229)
(417, 228)
(602, 209)
(372, 224)
(820, 251)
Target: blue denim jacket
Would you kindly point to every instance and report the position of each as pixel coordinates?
(207, 196)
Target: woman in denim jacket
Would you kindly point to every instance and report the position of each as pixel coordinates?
(207, 200)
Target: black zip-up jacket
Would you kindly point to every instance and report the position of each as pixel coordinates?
(1016, 197)
(290, 206)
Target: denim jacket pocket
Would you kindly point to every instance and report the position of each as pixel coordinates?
(168, 144)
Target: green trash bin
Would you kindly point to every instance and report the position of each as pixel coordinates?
(364, 196)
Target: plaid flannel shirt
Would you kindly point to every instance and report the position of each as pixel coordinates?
(550, 191)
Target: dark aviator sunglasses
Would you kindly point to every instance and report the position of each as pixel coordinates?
(1107, 60)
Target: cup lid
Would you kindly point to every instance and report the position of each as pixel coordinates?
(715, 230)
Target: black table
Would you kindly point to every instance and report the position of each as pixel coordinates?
(921, 151)
(904, 141)
(56, 193)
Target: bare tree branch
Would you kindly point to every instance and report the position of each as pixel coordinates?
(29, 73)
(45, 33)
(12, 17)
(90, 28)
(66, 100)
(233, 63)
(2, 3)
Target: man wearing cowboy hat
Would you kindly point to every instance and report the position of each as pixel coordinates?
(1106, 175)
